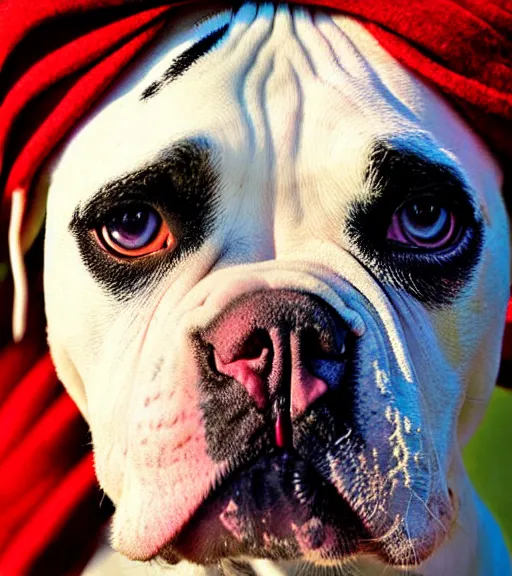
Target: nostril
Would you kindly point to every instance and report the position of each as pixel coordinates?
(316, 345)
(323, 355)
(249, 362)
(256, 345)
(253, 353)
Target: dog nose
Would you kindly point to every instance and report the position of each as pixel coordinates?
(286, 348)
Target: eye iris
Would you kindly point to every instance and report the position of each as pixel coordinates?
(427, 224)
(133, 228)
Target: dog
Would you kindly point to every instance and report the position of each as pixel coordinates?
(276, 274)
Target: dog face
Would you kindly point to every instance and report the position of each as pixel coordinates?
(276, 271)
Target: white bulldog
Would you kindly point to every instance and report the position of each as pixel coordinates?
(276, 274)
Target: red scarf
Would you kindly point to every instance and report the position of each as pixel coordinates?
(57, 58)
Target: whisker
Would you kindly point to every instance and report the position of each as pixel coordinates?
(438, 520)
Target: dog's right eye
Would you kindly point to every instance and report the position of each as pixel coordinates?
(134, 231)
(425, 222)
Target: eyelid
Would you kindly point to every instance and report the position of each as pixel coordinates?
(449, 203)
(95, 215)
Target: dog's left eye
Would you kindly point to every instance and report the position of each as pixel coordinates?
(424, 222)
(135, 231)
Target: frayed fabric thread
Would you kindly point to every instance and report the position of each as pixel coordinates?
(17, 261)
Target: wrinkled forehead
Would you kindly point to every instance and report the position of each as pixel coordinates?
(310, 88)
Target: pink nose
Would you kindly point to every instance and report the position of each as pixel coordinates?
(285, 348)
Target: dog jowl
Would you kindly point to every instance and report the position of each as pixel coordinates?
(276, 272)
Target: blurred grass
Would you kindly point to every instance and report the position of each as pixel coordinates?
(488, 458)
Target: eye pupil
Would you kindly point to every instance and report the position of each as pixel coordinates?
(424, 223)
(133, 227)
(129, 223)
(424, 214)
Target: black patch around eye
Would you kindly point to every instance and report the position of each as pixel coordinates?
(182, 186)
(435, 278)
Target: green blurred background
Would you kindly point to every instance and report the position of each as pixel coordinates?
(488, 459)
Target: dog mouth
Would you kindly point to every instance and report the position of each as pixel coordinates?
(277, 507)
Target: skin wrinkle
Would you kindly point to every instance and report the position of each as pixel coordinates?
(328, 28)
(295, 104)
(410, 319)
(250, 58)
(392, 434)
(296, 136)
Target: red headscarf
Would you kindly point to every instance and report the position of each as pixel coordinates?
(57, 57)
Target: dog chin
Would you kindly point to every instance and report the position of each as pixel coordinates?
(276, 508)
(280, 508)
